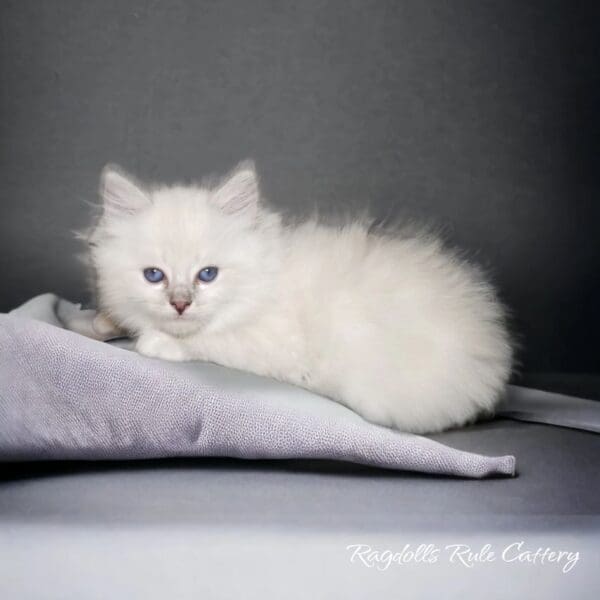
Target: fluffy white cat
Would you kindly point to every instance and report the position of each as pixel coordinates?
(391, 325)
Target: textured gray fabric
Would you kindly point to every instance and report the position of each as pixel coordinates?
(65, 396)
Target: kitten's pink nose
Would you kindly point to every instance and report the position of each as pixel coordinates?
(180, 305)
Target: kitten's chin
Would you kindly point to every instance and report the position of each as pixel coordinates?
(180, 327)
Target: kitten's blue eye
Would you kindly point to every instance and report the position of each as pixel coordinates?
(208, 274)
(153, 275)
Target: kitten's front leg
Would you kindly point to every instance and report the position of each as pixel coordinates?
(160, 345)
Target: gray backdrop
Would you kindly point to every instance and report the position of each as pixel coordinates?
(479, 115)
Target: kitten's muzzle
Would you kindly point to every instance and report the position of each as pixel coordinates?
(180, 305)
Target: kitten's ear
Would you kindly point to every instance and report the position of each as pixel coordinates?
(120, 193)
(238, 193)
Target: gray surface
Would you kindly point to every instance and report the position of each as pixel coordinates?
(191, 562)
(225, 528)
(480, 115)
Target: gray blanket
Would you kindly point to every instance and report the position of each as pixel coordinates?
(65, 396)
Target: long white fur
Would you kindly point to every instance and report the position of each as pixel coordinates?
(393, 326)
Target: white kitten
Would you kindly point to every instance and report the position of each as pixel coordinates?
(392, 326)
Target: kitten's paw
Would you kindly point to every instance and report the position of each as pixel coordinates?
(159, 345)
(104, 327)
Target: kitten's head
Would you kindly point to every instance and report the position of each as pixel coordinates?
(183, 258)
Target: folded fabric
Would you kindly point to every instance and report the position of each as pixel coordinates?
(65, 396)
(549, 408)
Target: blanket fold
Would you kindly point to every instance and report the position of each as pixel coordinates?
(65, 396)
